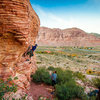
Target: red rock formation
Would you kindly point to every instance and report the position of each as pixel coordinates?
(18, 29)
(66, 37)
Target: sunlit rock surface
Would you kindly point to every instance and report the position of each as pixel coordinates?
(18, 29)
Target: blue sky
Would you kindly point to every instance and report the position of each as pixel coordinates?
(83, 14)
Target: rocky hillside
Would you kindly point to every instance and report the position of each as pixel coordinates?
(96, 34)
(66, 37)
(19, 26)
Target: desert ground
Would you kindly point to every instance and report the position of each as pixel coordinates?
(82, 59)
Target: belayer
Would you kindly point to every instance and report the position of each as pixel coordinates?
(54, 78)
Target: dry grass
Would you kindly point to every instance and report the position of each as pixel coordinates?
(76, 59)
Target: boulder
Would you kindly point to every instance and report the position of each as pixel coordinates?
(19, 26)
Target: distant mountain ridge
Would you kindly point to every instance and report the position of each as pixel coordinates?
(66, 37)
(95, 34)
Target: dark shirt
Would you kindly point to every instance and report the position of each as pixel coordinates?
(34, 47)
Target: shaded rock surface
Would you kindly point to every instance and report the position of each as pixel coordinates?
(19, 26)
(66, 37)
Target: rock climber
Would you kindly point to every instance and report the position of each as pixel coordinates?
(30, 51)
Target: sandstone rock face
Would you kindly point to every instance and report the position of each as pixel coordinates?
(66, 37)
(19, 26)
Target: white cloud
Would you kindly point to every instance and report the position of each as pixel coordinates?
(51, 20)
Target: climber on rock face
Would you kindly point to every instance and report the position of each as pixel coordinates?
(34, 47)
(30, 51)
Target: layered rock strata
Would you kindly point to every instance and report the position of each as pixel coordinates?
(19, 26)
(66, 37)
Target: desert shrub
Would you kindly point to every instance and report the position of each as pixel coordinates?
(41, 52)
(63, 75)
(38, 62)
(66, 88)
(69, 56)
(92, 98)
(7, 86)
(79, 75)
(89, 71)
(89, 56)
(79, 60)
(96, 82)
(41, 76)
(69, 91)
(98, 73)
(51, 68)
(45, 52)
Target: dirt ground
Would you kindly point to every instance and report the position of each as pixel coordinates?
(43, 90)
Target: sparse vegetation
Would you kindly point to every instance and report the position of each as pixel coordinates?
(66, 87)
(69, 91)
(74, 57)
(38, 62)
(79, 76)
(6, 87)
(51, 68)
(41, 76)
(96, 82)
(72, 64)
(64, 76)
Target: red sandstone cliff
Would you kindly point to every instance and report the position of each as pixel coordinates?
(66, 37)
(18, 29)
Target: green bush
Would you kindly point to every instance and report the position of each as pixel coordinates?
(42, 76)
(69, 91)
(80, 61)
(38, 62)
(63, 75)
(7, 86)
(66, 88)
(79, 75)
(92, 98)
(96, 82)
(51, 68)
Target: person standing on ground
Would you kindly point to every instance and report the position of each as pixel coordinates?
(54, 78)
